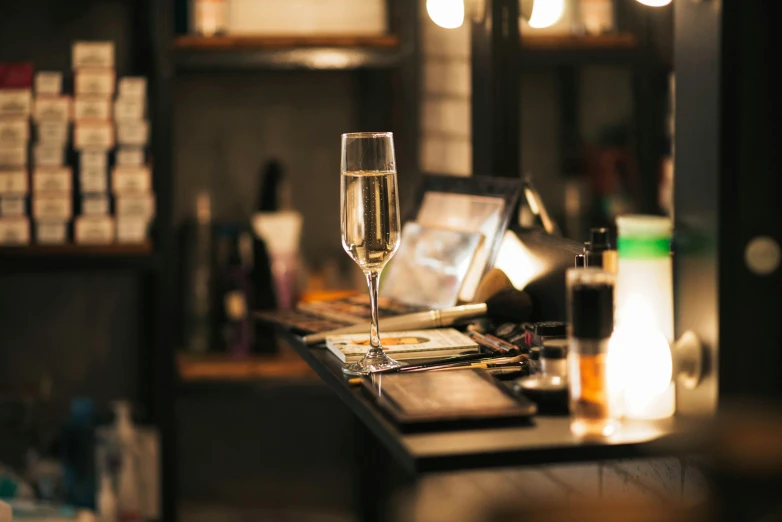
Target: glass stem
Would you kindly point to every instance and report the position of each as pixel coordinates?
(373, 281)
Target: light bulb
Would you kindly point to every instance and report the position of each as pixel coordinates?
(448, 14)
(546, 13)
(655, 3)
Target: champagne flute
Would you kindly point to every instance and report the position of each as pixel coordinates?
(370, 224)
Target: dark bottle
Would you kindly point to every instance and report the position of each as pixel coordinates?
(235, 294)
(78, 454)
(599, 242)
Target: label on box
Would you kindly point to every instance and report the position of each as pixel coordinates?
(131, 179)
(51, 232)
(93, 180)
(13, 182)
(52, 206)
(99, 82)
(95, 205)
(15, 102)
(93, 135)
(94, 229)
(132, 230)
(93, 55)
(92, 159)
(14, 131)
(49, 155)
(48, 82)
(14, 231)
(53, 108)
(135, 205)
(52, 132)
(134, 87)
(12, 205)
(13, 156)
(130, 157)
(91, 108)
(53, 180)
(129, 109)
(133, 132)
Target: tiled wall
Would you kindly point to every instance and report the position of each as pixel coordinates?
(445, 99)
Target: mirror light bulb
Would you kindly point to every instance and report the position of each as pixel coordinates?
(655, 3)
(448, 14)
(546, 13)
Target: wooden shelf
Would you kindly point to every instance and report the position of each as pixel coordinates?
(72, 256)
(222, 368)
(338, 52)
(551, 50)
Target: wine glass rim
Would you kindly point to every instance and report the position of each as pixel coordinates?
(367, 134)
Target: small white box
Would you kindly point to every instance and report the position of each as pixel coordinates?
(90, 55)
(48, 83)
(52, 108)
(51, 232)
(52, 205)
(52, 132)
(133, 87)
(14, 231)
(94, 159)
(15, 102)
(97, 135)
(53, 180)
(135, 133)
(130, 157)
(98, 82)
(91, 108)
(15, 205)
(129, 109)
(14, 131)
(132, 230)
(95, 205)
(47, 155)
(94, 230)
(131, 180)
(135, 205)
(93, 180)
(15, 156)
(13, 182)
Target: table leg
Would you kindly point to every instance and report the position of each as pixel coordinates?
(377, 479)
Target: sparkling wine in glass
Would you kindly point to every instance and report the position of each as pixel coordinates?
(370, 224)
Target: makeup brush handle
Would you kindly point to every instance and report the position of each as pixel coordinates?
(416, 321)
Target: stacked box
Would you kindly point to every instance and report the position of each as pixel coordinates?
(94, 138)
(15, 108)
(134, 200)
(52, 179)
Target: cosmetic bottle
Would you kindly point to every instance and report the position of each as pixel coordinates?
(591, 316)
(553, 358)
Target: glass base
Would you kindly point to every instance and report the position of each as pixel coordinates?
(374, 361)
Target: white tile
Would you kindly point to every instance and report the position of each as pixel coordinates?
(432, 154)
(432, 116)
(450, 77)
(458, 157)
(455, 117)
(446, 42)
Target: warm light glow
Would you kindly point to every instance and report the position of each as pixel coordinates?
(546, 13)
(644, 356)
(518, 263)
(448, 14)
(655, 3)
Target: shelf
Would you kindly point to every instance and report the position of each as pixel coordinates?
(552, 50)
(71, 256)
(345, 52)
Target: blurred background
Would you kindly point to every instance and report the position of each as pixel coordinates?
(245, 102)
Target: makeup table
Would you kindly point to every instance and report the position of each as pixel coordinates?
(547, 440)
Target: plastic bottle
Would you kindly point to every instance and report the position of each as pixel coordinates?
(128, 482)
(107, 500)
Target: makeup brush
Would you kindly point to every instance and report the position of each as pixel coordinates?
(506, 306)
